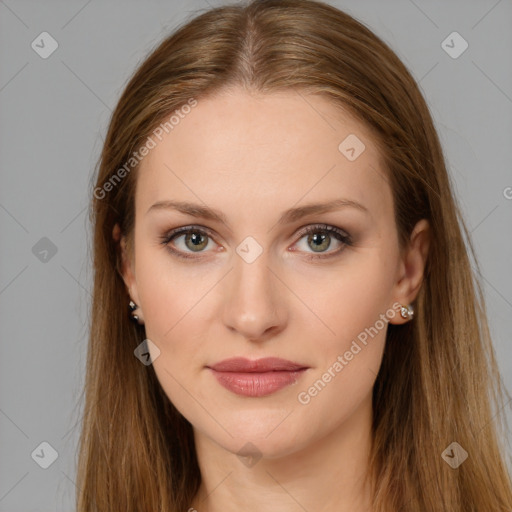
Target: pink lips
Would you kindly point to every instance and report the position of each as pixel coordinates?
(255, 378)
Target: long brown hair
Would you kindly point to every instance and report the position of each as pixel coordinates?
(439, 381)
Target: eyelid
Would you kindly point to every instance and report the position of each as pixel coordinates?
(329, 228)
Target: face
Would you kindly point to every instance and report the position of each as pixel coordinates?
(252, 282)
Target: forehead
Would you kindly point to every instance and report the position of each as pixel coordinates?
(242, 149)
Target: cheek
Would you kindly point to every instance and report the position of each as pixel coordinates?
(355, 309)
(179, 311)
(171, 303)
(160, 290)
(350, 298)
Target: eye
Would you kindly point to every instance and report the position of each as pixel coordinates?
(192, 239)
(319, 238)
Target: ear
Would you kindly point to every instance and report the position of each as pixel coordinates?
(127, 268)
(412, 267)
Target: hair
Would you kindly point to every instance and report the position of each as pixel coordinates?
(439, 380)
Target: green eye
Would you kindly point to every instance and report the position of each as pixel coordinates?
(195, 240)
(320, 237)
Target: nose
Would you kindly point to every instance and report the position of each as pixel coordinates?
(255, 303)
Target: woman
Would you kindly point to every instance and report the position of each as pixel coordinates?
(273, 211)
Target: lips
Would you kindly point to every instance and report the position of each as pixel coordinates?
(256, 378)
(266, 364)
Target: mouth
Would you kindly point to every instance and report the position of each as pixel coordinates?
(256, 378)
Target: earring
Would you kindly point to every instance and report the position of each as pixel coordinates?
(407, 312)
(133, 316)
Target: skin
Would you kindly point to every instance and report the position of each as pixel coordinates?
(252, 157)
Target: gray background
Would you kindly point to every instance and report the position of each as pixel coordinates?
(53, 120)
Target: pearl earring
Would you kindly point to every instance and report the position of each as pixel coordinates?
(407, 312)
(133, 307)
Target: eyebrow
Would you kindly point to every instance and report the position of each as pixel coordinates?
(289, 216)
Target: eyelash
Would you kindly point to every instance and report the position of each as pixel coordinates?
(340, 235)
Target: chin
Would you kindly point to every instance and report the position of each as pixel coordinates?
(251, 437)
